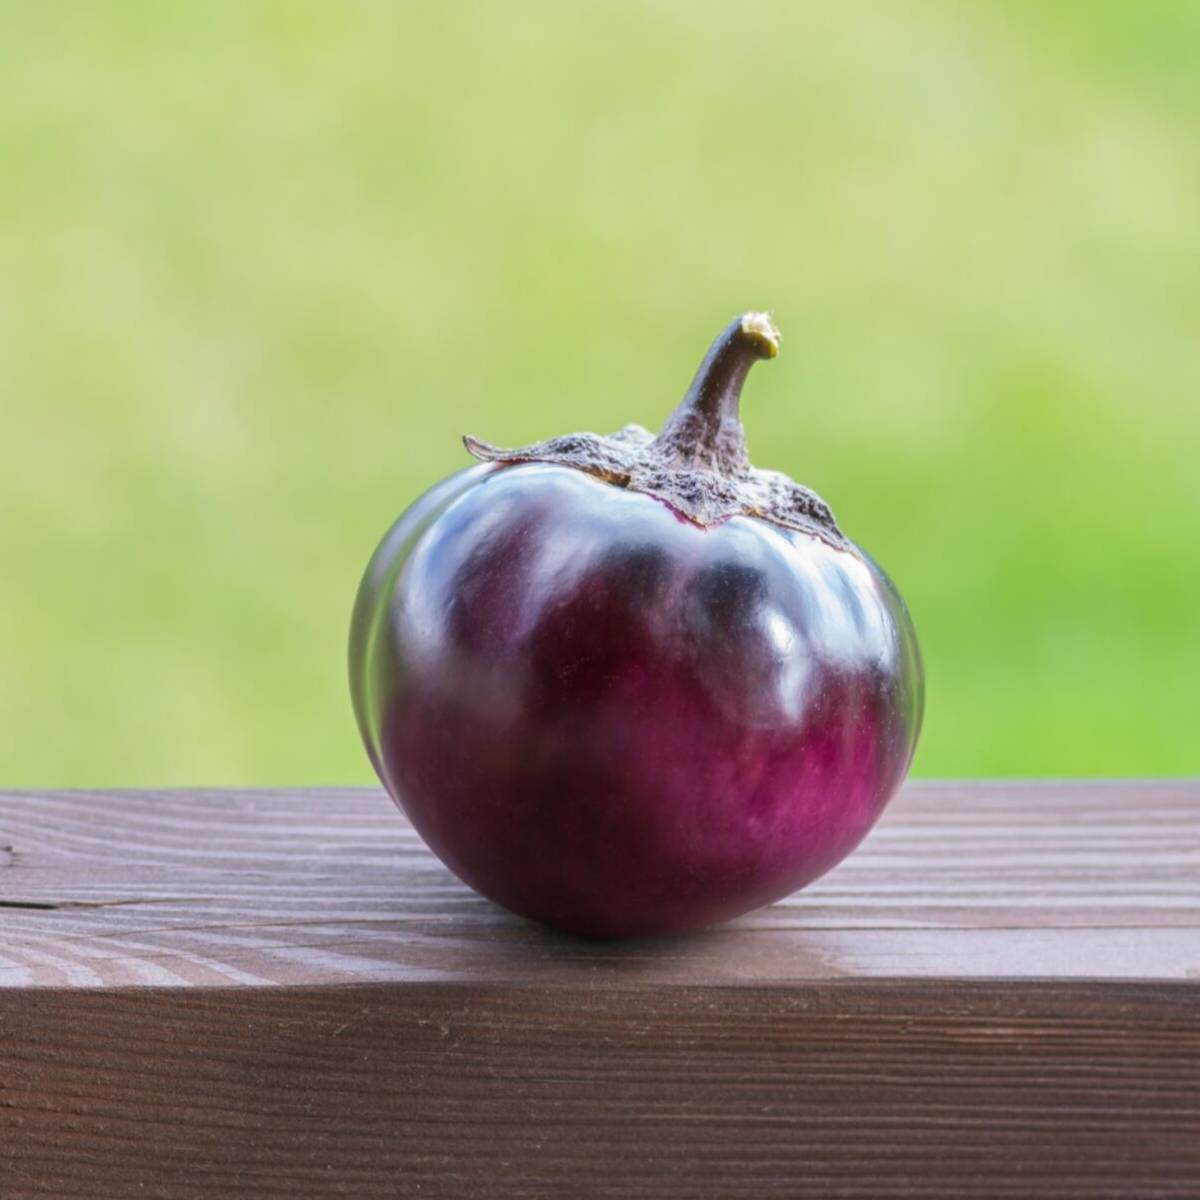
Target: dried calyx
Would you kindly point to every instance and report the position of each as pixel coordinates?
(698, 463)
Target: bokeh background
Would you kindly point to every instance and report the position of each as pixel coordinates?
(261, 264)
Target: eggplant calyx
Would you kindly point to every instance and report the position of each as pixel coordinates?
(698, 463)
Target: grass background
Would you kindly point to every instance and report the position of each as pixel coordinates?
(261, 264)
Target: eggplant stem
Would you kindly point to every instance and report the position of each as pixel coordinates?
(705, 430)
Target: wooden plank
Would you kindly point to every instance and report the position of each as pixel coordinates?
(227, 994)
(466, 1091)
(178, 889)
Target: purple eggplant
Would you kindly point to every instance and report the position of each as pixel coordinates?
(632, 685)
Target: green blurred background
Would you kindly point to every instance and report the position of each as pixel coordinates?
(262, 264)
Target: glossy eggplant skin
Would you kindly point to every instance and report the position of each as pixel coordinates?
(616, 722)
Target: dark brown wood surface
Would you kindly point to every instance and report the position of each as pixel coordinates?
(228, 994)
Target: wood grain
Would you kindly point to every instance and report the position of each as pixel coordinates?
(227, 994)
